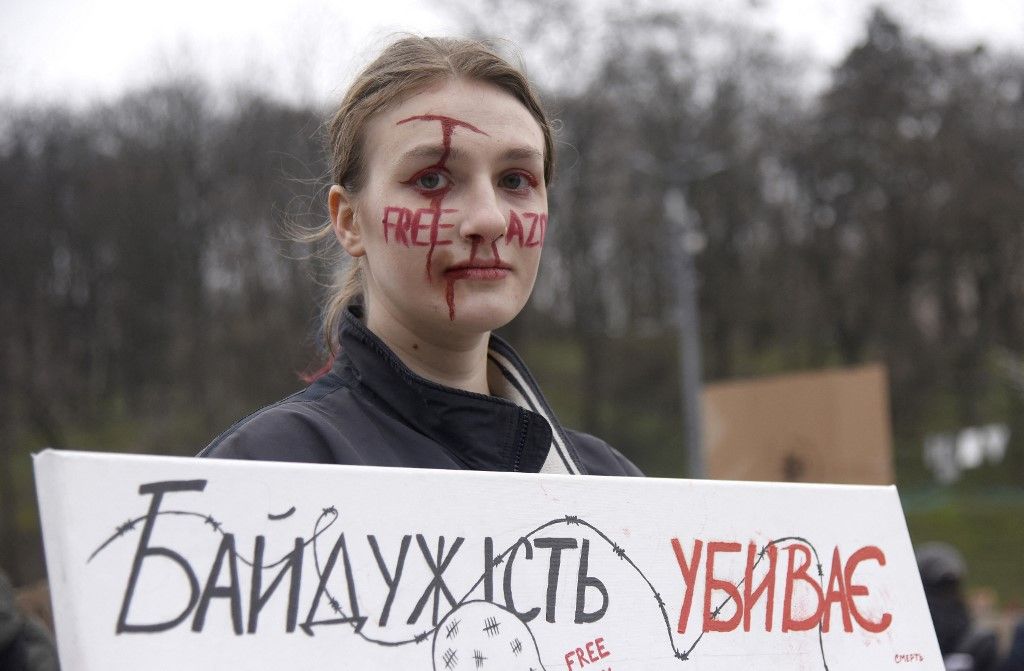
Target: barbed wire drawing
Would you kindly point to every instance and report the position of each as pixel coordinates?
(330, 515)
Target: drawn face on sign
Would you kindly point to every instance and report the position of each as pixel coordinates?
(453, 213)
(482, 635)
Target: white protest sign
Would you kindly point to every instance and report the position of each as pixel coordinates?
(169, 563)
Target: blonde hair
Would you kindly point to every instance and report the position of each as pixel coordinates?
(401, 70)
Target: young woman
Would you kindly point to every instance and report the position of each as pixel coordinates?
(441, 157)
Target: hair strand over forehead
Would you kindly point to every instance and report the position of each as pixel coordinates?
(403, 69)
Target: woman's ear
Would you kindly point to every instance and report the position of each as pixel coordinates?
(342, 206)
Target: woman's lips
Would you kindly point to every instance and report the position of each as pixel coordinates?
(466, 271)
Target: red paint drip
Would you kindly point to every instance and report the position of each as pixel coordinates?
(449, 296)
(435, 203)
(433, 233)
(448, 126)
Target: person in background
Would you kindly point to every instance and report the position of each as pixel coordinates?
(24, 644)
(1015, 659)
(441, 157)
(965, 645)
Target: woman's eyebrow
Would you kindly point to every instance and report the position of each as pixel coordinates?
(522, 153)
(427, 151)
(518, 153)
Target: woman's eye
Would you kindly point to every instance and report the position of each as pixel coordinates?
(516, 181)
(431, 181)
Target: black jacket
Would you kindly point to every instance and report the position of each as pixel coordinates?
(24, 645)
(370, 409)
(1015, 658)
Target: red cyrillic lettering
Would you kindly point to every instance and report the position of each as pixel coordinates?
(789, 623)
(766, 586)
(689, 572)
(836, 593)
(868, 552)
(711, 620)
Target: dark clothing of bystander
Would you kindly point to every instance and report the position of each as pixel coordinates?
(24, 644)
(1015, 659)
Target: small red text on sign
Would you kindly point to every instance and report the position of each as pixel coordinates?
(591, 653)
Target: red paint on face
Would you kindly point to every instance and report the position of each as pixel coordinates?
(448, 126)
(512, 232)
(449, 296)
(531, 235)
(486, 270)
(538, 222)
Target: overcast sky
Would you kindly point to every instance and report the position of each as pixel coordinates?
(78, 50)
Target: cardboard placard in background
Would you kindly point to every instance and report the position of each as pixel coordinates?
(170, 563)
(824, 426)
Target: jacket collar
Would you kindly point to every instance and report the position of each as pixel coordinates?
(513, 431)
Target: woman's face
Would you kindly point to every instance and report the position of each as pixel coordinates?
(453, 211)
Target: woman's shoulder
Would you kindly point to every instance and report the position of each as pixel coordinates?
(298, 428)
(600, 458)
(289, 430)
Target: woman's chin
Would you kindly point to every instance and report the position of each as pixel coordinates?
(480, 314)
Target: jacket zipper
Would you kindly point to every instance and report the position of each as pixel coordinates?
(524, 420)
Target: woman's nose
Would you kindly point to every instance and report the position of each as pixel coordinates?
(481, 214)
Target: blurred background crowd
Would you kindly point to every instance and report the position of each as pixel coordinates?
(868, 212)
